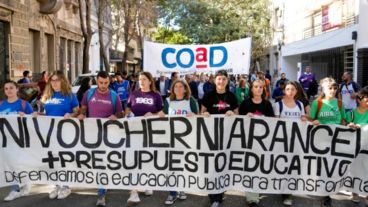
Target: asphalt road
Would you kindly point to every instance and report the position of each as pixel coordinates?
(117, 198)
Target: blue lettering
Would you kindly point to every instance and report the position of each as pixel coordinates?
(212, 53)
(164, 57)
(191, 60)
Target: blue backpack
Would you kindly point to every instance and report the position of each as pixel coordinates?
(112, 94)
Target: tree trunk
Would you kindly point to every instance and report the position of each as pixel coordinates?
(86, 31)
(102, 5)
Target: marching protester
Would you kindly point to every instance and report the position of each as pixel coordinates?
(219, 101)
(358, 118)
(101, 102)
(145, 101)
(290, 108)
(58, 100)
(278, 92)
(12, 104)
(85, 85)
(282, 79)
(121, 87)
(162, 85)
(326, 109)
(266, 85)
(309, 82)
(302, 97)
(256, 105)
(180, 102)
(348, 90)
(242, 91)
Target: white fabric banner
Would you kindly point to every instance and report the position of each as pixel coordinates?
(196, 154)
(231, 56)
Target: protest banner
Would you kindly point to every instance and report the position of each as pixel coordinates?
(186, 59)
(195, 154)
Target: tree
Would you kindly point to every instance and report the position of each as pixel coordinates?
(85, 20)
(214, 21)
(131, 19)
(102, 11)
(170, 36)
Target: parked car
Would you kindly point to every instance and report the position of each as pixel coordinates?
(76, 84)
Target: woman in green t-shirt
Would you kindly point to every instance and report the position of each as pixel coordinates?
(359, 116)
(326, 109)
(242, 91)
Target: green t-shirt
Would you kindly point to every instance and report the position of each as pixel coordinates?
(329, 112)
(359, 118)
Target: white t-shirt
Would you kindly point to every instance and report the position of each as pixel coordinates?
(346, 91)
(200, 90)
(291, 113)
(162, 88)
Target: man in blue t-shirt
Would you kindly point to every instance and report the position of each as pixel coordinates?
(121, 87)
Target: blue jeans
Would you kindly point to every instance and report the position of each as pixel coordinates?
(173, 193)
(101, 192)
(15, 188)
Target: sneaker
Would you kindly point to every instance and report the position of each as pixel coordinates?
(101, 201)
(64, 192)
(288, 201)
(366, 201)
(215, 204)
(182, 195)
(170, 199)
(252, 204)
(134, 197)
(13, 195)
(326, 202)
(25, 189)
(355, 198)
(54, 193)
(148, 192)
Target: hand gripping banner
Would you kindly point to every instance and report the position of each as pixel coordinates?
(197, 154)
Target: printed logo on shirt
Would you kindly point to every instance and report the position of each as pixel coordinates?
(55, 101)
(178, 112)
(292, 113)
(221, 105)
(140, 100)
(258, 113)
(347, 91)
(94, 100)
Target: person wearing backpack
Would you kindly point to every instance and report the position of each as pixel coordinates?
(146, 102)
(14, 105)
(348, 90)
(289, 108)
(101, 102)
(327, 109)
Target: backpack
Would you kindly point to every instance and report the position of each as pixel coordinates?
(23, 103)
(281, 106)
(20, 80)
(112, 94)
(319, 106)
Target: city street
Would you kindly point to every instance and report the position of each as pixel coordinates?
(117, 198)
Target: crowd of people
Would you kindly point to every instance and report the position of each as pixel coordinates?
(136, 96)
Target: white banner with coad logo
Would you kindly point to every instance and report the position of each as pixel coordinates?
(197, 154)
(164, 58)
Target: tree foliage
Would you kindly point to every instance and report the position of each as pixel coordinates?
(215, 21)
(170, 36)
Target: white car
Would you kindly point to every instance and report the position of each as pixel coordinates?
(76, 84)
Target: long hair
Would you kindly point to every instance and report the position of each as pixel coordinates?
(187, 92)
(300, 93)
(263, 91)
(326, 82)
(65, 89)
(150, 78)
(84, 86)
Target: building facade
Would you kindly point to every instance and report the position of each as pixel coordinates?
(45, 35)
(328, 35)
